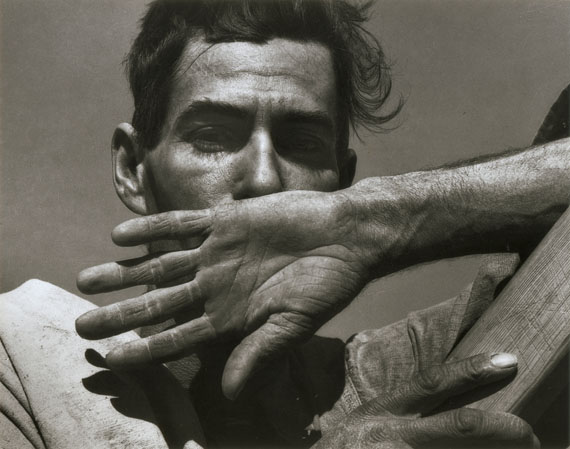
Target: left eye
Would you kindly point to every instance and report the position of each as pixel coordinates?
(302, 144)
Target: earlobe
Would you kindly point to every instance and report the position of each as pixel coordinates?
(347, 168)
(128, 169)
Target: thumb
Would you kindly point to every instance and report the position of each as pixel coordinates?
(280, 332)
(430, 387)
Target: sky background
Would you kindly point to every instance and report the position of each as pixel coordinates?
(477, 77)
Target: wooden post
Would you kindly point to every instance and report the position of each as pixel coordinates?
(530, 318)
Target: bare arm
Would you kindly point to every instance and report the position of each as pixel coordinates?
(502, 203)
(272, 270)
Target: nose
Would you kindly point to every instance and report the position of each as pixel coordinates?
(259, 167)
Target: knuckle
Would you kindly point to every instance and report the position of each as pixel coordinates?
(429, 380)
(162, 223)
(155, 220)
(137, 274)
(473, 369)
(161, 345)
(373, 408)
(175, 265)
(376, 432)
(151, 308)
(190, 291)
(156, 271)
(519, 428)
(467, 422)
(178, 217)
(378, 435)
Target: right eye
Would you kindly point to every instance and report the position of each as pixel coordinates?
(213, 139)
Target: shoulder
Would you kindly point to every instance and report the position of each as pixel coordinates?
(37, 305)
(48, 361)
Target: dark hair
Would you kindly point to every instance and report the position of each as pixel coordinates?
(362, 75)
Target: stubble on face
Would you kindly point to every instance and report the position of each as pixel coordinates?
(244, 114)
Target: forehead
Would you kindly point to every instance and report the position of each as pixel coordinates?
(280, 74)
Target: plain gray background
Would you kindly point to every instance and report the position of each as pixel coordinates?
(478, 77)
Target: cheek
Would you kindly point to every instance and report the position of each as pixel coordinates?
(182, 181)
(297, 177)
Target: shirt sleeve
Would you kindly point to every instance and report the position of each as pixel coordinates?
(17, 427)
(57, 393)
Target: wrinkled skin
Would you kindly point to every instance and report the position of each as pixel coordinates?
(399, 419)
(275, 288)
(247, 121)
(402, 418)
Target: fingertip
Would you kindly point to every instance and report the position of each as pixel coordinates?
(127, 233)
(232, 383)
(129, 356)
(118, 234)
(118, 359)
(84, 281)
(81, 282)
(237, 371)
(115, 358)
(85, 326)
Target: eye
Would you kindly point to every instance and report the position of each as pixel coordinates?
(302, 145)
(306, 145)
(213, 139)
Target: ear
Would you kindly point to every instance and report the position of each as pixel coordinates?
(347, 168)
(128, 169)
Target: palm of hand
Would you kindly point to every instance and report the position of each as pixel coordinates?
(275, 278)
(273, 269)
(262, 267)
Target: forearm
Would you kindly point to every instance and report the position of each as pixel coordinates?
(501, 204)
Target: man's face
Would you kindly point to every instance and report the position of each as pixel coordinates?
(246, 120)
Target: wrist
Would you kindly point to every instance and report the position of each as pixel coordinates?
(388, 214)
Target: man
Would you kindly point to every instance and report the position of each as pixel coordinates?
(239, 101)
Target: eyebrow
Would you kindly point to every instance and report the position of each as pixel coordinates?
(318, 118)
(201, 108)
(209, 107)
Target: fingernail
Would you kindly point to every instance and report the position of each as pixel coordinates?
(504, 360)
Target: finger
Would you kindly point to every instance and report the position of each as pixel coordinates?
(170, 403)
(430, 387)
(167, 345)
(173, 225)
(471, 425)
(280, 332)
(152, 269)
(151, 308)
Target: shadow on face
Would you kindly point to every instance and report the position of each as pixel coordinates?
(244, 120)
